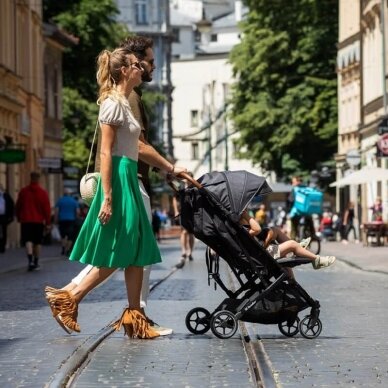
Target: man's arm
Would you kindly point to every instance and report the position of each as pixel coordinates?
(149, 155)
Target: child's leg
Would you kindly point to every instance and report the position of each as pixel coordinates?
(291, 246)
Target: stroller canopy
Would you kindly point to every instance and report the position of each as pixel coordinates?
(234, 189)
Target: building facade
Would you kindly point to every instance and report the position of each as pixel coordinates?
(204, 139)
(362, 98)
(152, 18)
(27, 136)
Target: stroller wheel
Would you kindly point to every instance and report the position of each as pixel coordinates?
(223, 324)
(289, 330)
(198, 320)
(310, 327)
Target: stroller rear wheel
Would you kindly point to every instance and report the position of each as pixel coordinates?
(198, 320)
(223, 324)
(289, 329)
(310, 327)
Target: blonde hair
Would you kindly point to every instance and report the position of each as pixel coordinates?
(109, 74)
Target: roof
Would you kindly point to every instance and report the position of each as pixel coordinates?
(52, 31)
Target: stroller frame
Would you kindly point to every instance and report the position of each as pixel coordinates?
(265, 293)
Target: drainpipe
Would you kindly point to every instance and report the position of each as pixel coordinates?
(382, 17)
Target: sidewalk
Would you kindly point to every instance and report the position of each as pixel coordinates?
(16, 258)
(371, 258)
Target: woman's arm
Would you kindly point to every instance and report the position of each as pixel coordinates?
(108, 134)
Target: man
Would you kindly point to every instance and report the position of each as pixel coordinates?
(148, 156)
(7, 209)
(66, 214)
(295, 215)
(33, 211)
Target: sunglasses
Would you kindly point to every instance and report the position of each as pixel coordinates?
(137, 65)
(151, 62)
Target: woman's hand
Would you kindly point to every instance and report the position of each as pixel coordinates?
(106, 211)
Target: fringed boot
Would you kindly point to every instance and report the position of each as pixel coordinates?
(135, 325)
(64, 308)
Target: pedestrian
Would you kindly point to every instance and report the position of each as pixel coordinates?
(156, 224)
(91, 276)
(261, 216)
(67, 212)
(377, 210)
(33, 211)
(7, 210)
(348, 223)
(294, 214)
(187, 239)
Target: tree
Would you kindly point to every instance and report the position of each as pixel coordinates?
(284, 102)
(93, 23)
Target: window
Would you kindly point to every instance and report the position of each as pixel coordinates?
(194, 118)
(141, 11)
(194, 151)
(175, 35)
(213, 38)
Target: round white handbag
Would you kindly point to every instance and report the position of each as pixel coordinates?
(88, 186)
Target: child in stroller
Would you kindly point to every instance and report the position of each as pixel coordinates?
(281, 245)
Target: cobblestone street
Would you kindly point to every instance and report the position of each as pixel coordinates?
(352, 350)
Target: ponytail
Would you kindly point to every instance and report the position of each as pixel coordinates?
(109, 71)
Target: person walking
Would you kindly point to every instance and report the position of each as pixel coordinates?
(66, 214)
(33, 211)
(148, 156)
(348, 223)
(7, 210)
(117, 218)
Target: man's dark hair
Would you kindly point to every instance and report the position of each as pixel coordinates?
(138, 45)
(34, 176)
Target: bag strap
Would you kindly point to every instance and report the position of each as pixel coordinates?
(91, 148)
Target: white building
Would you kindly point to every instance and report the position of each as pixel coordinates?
(151, 18)
(201, 76)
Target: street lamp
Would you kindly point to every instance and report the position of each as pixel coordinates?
(204, 26)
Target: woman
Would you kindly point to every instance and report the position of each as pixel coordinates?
(116, 232)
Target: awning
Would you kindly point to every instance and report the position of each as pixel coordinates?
(366, 174)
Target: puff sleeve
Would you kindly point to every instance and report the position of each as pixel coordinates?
(111, 112)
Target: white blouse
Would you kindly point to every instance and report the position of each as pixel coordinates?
(119, 115)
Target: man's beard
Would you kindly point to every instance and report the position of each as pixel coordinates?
(146, 76)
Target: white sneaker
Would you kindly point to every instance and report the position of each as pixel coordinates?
(159, 329)
(323, 261)
(305, 242)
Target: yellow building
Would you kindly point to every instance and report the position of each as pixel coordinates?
(30, 98)
(362, 99)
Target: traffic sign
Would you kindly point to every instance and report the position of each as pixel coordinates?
(353, 158)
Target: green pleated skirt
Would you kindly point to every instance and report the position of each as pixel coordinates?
(127, 239)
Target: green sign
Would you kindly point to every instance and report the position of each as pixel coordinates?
(12, 153)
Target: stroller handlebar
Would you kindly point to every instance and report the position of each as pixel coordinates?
(184, 176)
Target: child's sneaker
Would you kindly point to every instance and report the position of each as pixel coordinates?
(305, 242)
(323, 261)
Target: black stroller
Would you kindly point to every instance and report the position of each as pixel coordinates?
(211, 209)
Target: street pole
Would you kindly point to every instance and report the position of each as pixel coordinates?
(225, 87)
(382, 17)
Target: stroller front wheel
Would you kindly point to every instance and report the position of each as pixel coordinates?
(289, 330)
(310, 327)
(223, 324)
(198, 320)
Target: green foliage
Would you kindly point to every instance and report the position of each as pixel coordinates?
(284, 103)
(79, 120)
(92, 22)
